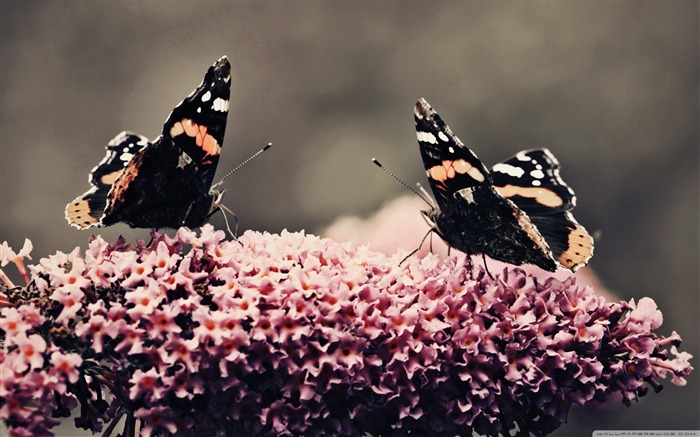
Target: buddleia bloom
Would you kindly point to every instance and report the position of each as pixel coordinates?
(291, 334)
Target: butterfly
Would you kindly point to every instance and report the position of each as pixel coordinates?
(518, 212)
(166, 182)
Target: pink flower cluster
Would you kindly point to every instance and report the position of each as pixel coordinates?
(295, 335)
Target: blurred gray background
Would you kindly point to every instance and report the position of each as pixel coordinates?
(610, 87)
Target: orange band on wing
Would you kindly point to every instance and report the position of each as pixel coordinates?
(109, 178)
(199, 132)
(449, 169)
(79, 215)
(579, 251)
(543, 196)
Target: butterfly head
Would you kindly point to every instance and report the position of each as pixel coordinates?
(216, 196)
(429, 216)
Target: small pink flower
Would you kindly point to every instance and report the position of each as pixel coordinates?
(156, 419)
(162, 322)
(94, 330)
(678, 367)
(163, 260)
(30, 350)
(12, 322)
(70, 296)
(645, 315)
(187, 236)
(208, 327)
(140, 272)
(132, 340)
(144, 298)
(287, 328)
(590, 334)
(184, 352)
(7, 255)
(145, 384)
(67, 364)
(348, 353)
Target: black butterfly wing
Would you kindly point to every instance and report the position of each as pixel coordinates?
(571, 244)
(197, 125)
(450, 165)
(531, 180)
(168, 183)
(87, 210)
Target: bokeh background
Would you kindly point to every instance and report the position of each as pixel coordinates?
(610, 87)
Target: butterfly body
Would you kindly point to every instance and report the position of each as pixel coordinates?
(166, 182)
(151, 198)
(486, 224)
(517, 212)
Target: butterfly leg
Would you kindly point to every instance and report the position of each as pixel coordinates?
(187, 214)
(470, 265)
(417, 248)
(224, 209)
(486, 267)
(153, 231)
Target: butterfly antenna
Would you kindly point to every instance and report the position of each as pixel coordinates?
(242, 164)
(410, 188)
(425, 193)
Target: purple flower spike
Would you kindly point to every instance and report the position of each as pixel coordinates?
(295, 335)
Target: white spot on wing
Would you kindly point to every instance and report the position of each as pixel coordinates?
(522, 156)
(126, 157)
(183, 160)
(220, 105)
(536, 183)
(508, 169)
(118, 139)
(426, 137)
(466, 194)
(450, 148)
(443, 137)
(206, 96)
(537, 174)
